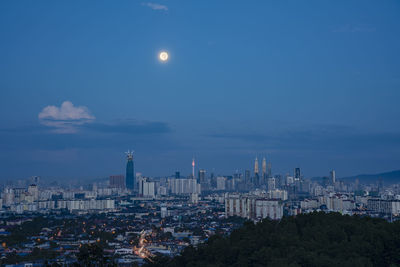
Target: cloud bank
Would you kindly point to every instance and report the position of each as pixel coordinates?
(66, 118)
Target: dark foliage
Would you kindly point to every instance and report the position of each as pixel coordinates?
(316, 239)
(91, 255)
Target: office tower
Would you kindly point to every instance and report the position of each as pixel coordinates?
(289, 179)
(202, 176)
(269, 171)
(213, 180)
(333, 177)
(297, 174)
(264, 170)
(117, 181)
(177, 175)
(279, 181)
(130, 173)
(247, 176)
(140, 180)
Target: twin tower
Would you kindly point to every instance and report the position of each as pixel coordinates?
(266, 171)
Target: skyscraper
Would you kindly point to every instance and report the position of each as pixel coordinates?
(297, 174)
(202, 177)
(333, 177)
(256, 172)
(264, 169)
(269, 171)
(247, 176)
(213, 180)
(130, 173)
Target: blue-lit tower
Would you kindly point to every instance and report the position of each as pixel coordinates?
(130, 173)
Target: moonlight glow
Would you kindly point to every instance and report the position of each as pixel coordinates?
(163, 56)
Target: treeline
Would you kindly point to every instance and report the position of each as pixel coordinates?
(317, 239)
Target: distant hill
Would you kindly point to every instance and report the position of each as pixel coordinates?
(392, 177)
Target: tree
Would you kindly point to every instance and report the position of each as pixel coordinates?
(316, 239)
(91, 255)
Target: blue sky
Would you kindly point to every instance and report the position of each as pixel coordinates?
(310, 84)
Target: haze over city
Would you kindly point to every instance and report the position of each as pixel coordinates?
(307, 85)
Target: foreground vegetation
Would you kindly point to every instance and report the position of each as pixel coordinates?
(316, 239)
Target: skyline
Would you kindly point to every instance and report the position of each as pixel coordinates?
(312, 86)
(196, 172)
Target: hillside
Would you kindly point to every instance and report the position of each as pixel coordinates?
(387, 177)
(316, 239)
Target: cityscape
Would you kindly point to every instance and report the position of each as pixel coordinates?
(134, 217)
(170, 133)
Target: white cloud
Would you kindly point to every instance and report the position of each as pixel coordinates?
(155, 6)
(65, 119)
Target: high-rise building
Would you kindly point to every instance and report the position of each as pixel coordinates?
(297, 174)
(33, 190)
(8, 196)
(357, 184)
(221, 183)
(271, 183)
(253, 207)
(202, 176)
(130, 173)
(333, 177)
(177, 175)
(183, 186)
(147, 188)
(247, 176)
(117, 181)
(213, 180)
(264, 169)
(269, 171)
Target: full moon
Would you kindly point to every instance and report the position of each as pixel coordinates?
(163, 56)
